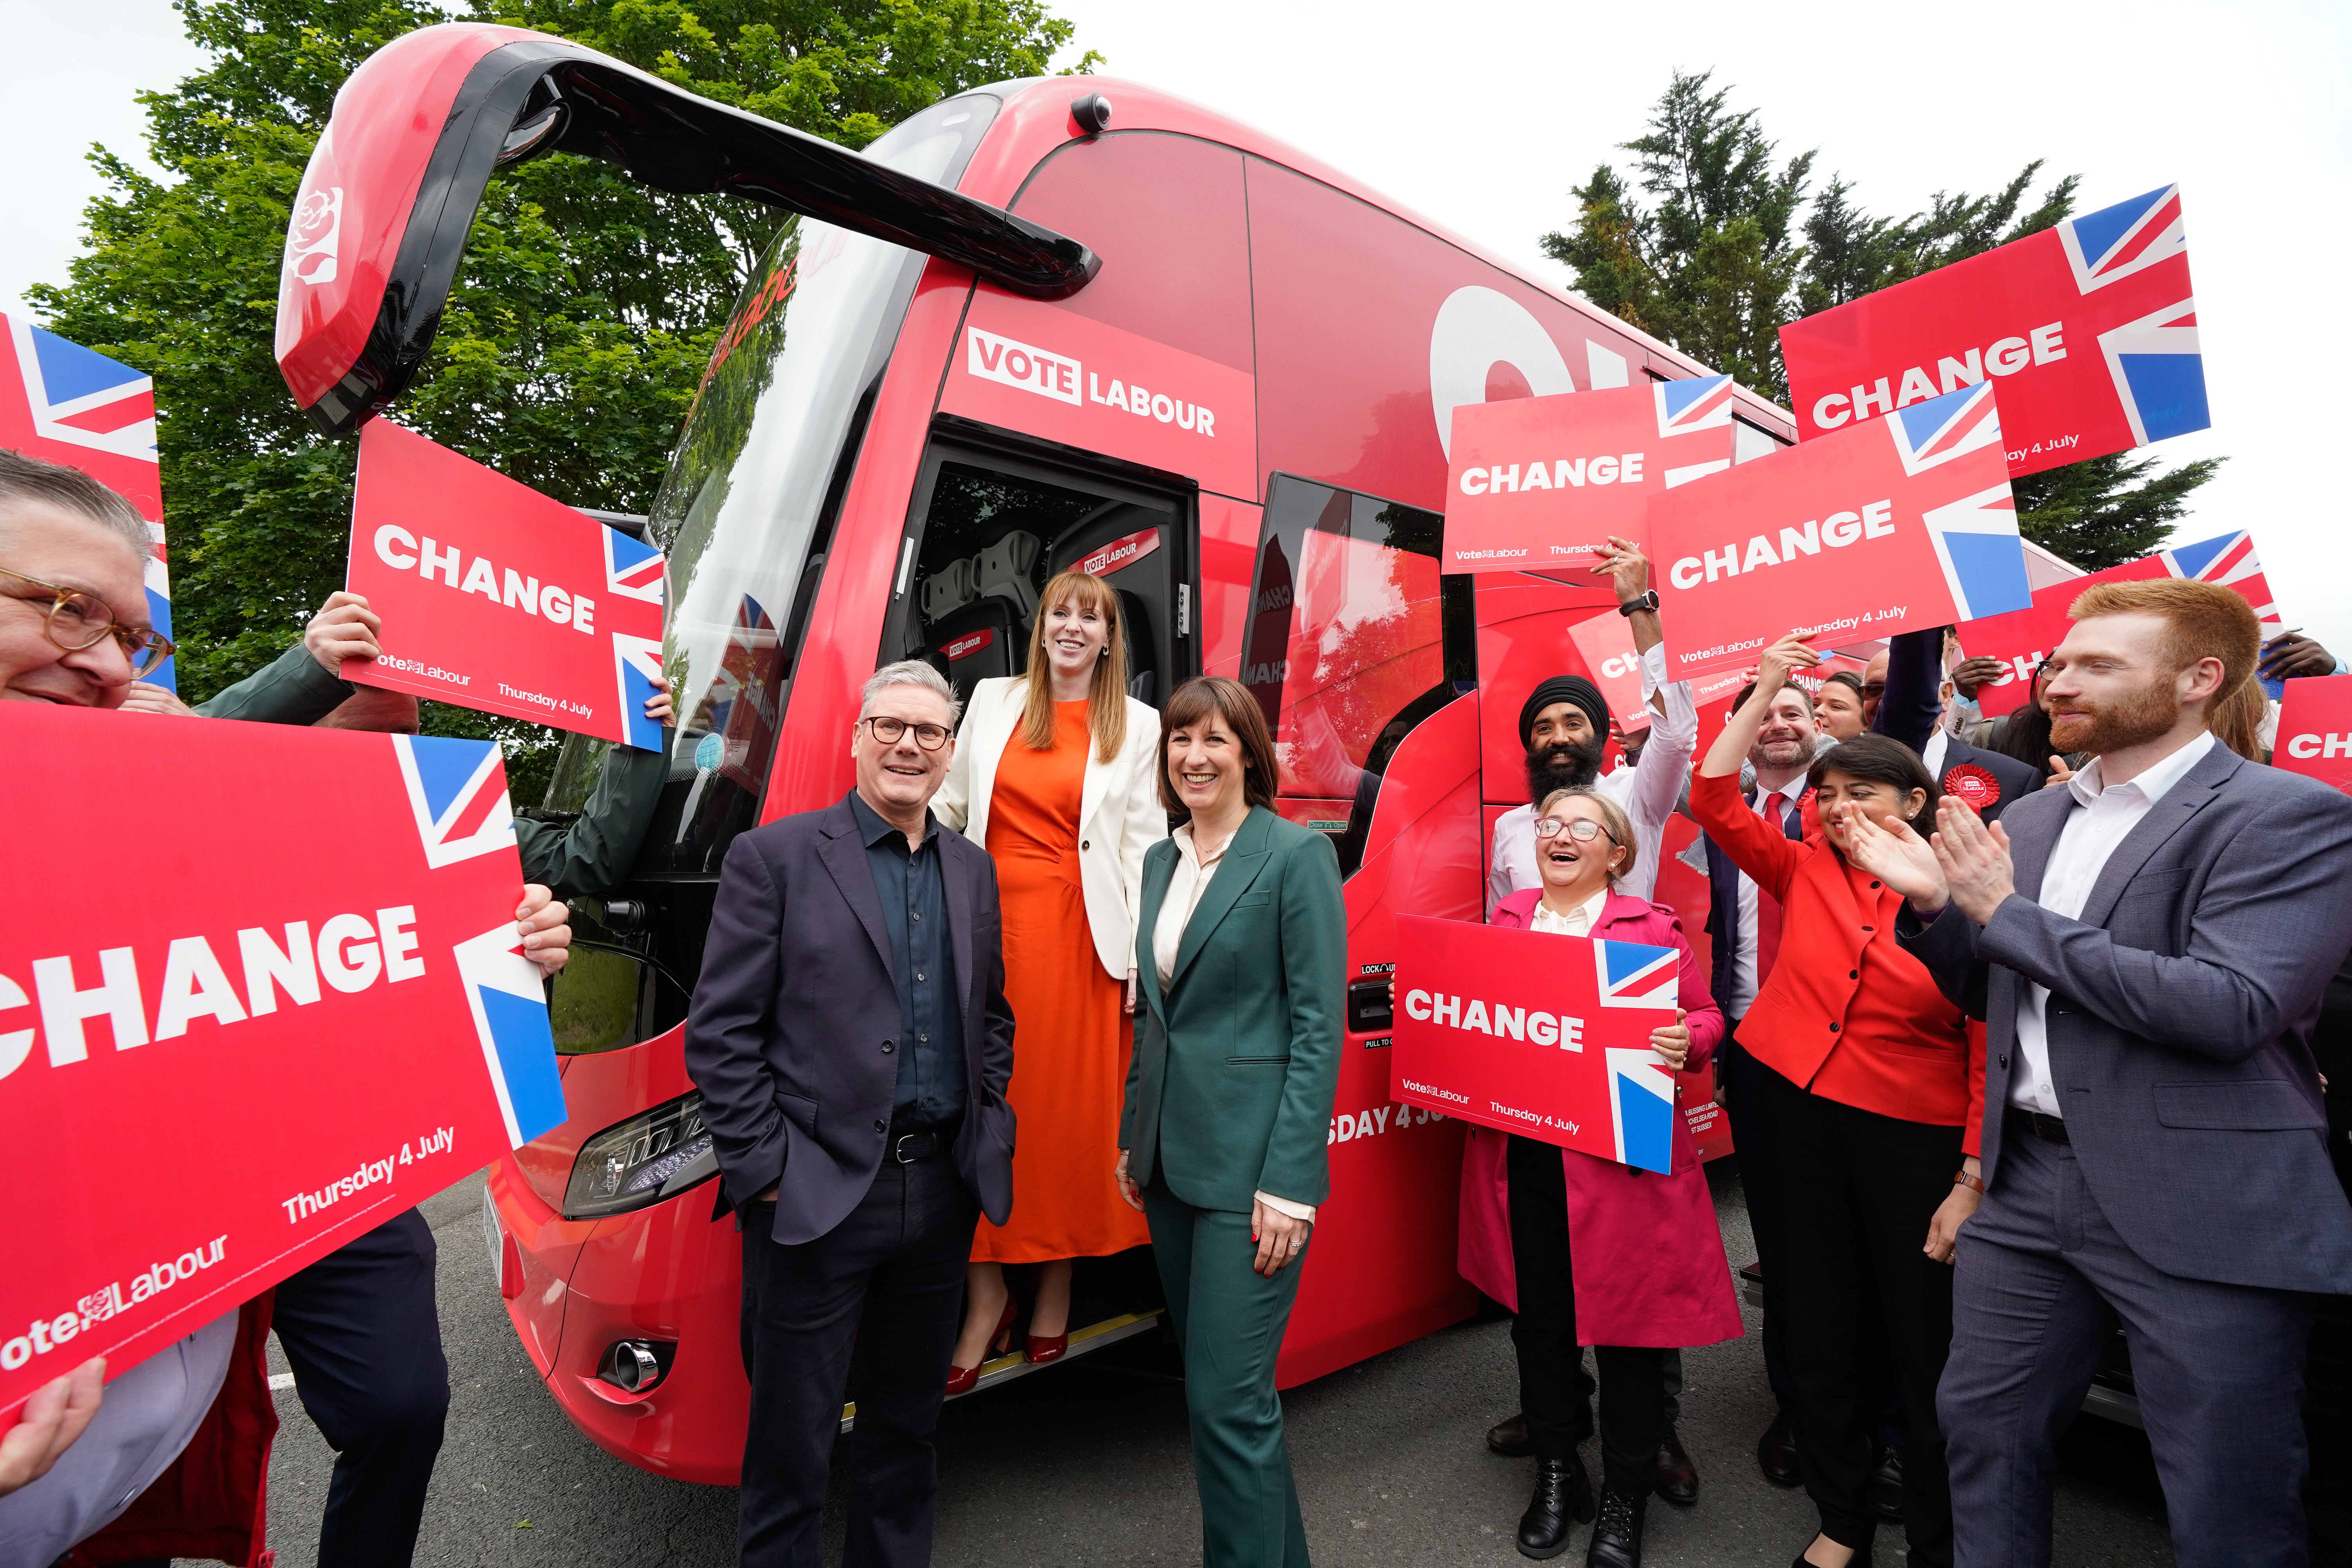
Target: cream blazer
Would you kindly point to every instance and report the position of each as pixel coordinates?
(1120, 812)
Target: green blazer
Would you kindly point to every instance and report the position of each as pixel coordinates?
(1237, 1062)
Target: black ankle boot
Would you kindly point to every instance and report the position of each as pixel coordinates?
(1563, 1499)
(1617, 1539)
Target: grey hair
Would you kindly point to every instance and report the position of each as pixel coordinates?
(909, 672)
(30, 481)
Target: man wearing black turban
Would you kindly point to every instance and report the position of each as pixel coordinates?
(1574, 722)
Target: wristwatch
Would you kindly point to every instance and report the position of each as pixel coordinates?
(1648, 600)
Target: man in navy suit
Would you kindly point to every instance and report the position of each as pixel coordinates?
(852, 1042)
(2149, 947)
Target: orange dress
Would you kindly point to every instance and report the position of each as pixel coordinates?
(1070, 1041)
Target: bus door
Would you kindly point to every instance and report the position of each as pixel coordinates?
(991, 525)
(1364, 660)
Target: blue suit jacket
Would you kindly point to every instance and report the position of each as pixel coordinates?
(2181, 1009)
(787, 1034)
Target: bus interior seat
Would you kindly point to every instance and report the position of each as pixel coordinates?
(1142, 674)
(1005, 651)
(1007, 569)
(948, 590)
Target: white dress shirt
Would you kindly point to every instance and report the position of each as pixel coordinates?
(2103, 816)
(1745, 980)
(1937, 743)
(1577, 921)
(1186, 883)
(1647, 791)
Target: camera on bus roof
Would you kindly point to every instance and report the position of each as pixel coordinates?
(1093, 113)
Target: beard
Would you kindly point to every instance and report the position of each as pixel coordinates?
(2111, 726)
(1562, 766)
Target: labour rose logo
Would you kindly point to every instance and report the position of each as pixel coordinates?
(1972, 784)
(312, 238)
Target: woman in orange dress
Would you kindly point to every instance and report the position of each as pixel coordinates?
(1053, 774)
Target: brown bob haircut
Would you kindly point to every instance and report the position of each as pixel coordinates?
(1879, 759)
(2201, 620)
(1214, 696)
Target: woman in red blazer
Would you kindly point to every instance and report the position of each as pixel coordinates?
(1874, 1087)
(1587, 1251)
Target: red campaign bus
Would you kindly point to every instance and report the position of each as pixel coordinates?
(1021, 332)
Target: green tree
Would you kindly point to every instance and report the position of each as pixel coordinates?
(576, 334)
(1719, 262)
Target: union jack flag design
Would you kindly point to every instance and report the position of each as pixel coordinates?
(67, 404)
(2230, 560)
(457, 796)
(458, 793)
(1634, 974)
(1702, 403)
(633, 569)
(1642, 1108)
(2159, 373)
(1941, 429)
(2129, 236)
(638, 677)
(508, 1001)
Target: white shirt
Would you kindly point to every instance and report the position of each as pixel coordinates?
(1934, 755)
(1647, 791)
(1186, 883)
(2103, 818)
(1745, 980)
(1577, 921)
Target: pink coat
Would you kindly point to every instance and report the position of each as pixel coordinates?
(1648, 1256)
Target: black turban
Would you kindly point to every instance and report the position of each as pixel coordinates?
(1563, 688)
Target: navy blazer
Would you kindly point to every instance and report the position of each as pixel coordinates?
(791, 1037)
(2181, 1017)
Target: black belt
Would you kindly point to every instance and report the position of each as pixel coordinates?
(926, 1143)
(2049, 1128)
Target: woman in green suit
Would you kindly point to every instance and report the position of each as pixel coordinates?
(1241, 943)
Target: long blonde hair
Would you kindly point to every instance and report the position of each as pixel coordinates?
(1106, 695)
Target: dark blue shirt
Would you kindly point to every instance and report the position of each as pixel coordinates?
(915, 912)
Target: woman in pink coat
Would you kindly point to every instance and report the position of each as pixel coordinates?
(1587, 1251)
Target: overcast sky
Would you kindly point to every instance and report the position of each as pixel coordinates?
(1481, 116)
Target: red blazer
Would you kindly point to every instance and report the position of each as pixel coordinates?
(1647, 1251)
(1845, 1011)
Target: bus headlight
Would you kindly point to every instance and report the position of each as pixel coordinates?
(634, 1163)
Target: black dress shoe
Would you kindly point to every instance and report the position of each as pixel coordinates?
(1775, 1451)
(1617, 1539)
(1563, 1499)
(1887, 1485)
(1509, 1438)
(1675, 1477)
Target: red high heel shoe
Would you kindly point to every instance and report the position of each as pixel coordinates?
(964, 1379)
(1043, 1349)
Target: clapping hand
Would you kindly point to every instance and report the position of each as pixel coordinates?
(1974, 861)
(2059, 774)
(1896, 855)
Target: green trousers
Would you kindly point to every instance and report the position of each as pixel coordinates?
(1229, 1319)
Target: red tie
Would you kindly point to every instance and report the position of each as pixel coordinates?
(1768, 907)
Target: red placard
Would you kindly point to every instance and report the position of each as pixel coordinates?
(1605, 642)
(1519, 1030)
(1053, 372)
(1905, 523)
(2024, 639)
(494, 597)
(311, 1015)
(2315, 730)
(1543, 481)
(2090, 328)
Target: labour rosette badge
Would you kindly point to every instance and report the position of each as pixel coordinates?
(1967, 782)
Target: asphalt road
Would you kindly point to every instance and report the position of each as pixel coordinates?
(1087, 1463)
